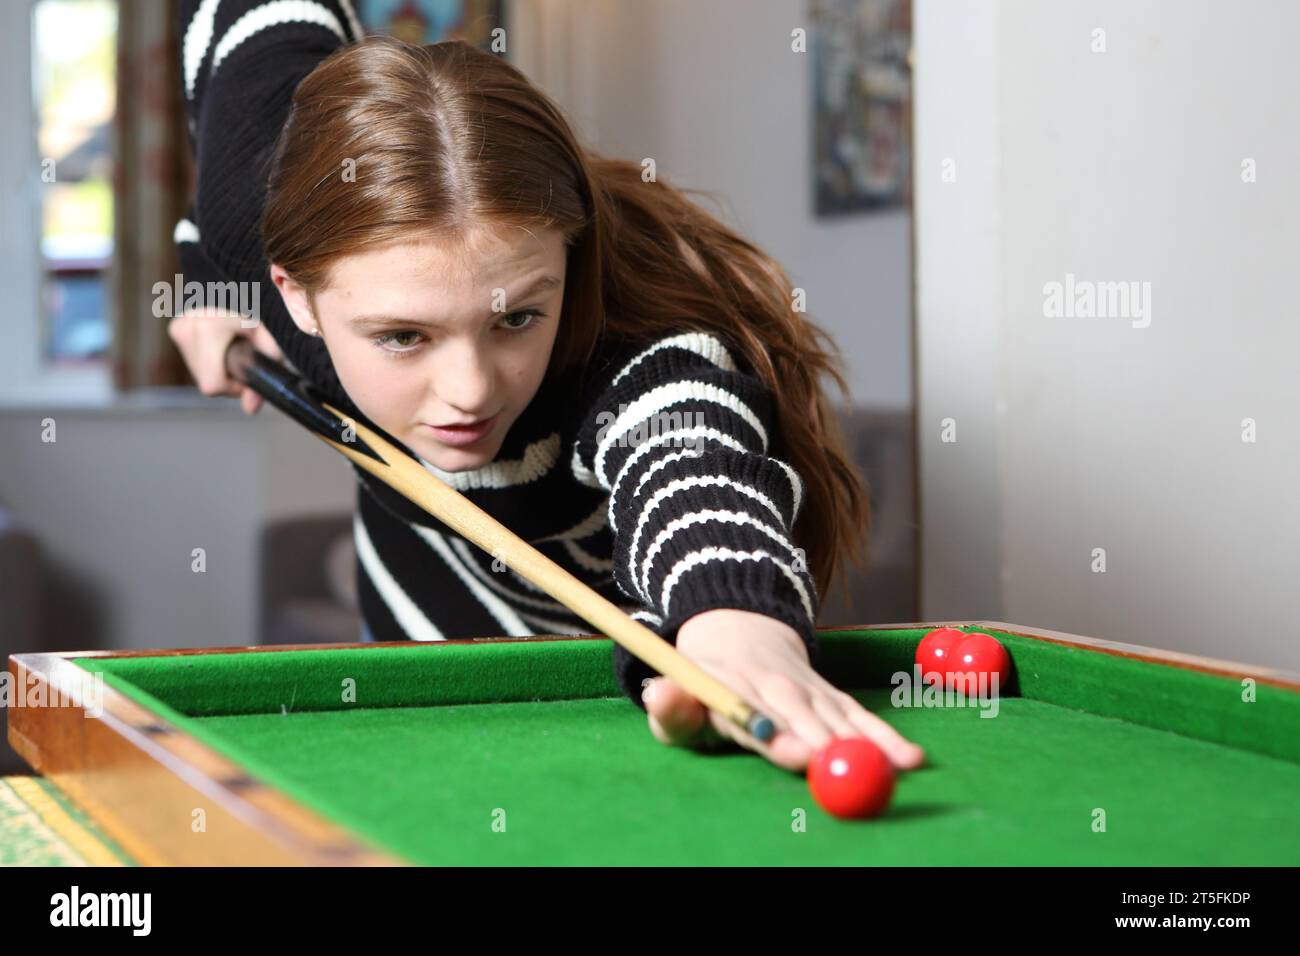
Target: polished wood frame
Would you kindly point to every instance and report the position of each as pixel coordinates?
(141, 778)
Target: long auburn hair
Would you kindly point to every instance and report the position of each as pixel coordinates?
(446, 136)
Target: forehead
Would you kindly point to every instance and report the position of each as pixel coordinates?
(440, 284)
(469, 263)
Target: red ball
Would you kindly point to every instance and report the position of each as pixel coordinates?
(978, 654)
(934, 652)
(851, 778)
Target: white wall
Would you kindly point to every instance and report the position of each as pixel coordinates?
(714, 94)
(1115, 166)
(957, 310)
(122, 497)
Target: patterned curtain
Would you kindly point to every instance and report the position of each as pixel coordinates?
(153, 176)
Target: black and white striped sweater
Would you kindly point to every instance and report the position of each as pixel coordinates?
(646, 475)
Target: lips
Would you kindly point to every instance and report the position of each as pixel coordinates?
(463, 434)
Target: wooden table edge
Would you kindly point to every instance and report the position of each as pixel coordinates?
(115, 766)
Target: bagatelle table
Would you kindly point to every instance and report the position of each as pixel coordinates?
(523, 751)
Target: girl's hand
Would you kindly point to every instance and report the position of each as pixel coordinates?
(765, 661)
(202, 336)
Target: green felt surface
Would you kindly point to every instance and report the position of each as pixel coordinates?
(523, 753)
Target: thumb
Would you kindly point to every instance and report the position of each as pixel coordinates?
(676, 718)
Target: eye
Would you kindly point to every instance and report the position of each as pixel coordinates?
(528, 315)
(395, 337)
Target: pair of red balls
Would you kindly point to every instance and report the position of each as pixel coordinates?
(958, 660)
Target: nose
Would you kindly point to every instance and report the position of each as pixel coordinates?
(464, 380)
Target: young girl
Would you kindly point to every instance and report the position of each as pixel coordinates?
(579, 350)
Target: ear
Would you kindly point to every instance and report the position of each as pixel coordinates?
(295, 300)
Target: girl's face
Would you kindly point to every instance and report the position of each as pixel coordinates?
(442, 347)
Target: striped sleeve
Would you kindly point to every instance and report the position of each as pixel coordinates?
(240, 62)
(701, 512)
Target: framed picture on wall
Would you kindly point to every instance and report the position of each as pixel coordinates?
(429, 21)
(862, 109)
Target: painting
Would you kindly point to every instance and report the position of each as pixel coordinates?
(429, 21)
(862, 89)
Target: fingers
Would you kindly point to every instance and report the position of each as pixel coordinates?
(791, 701)
(833, 717)
(204, 335)
(201, 339)
(902, 753)
(807, 720)
(785, 750)
(833, 703)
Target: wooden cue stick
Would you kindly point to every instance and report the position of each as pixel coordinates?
(408, 477)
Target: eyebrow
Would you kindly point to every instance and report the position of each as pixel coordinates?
(545, 283)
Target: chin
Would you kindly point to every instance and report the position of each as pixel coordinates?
(457, 459)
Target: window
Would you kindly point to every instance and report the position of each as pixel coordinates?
(74, 44)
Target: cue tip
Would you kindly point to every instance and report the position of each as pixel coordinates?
(761, 728)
